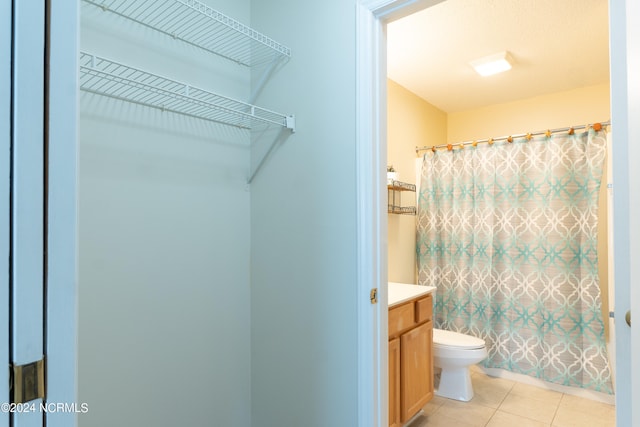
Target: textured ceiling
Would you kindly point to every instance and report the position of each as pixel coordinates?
(556, 45)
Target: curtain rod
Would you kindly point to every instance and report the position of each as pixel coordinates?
(510, 138)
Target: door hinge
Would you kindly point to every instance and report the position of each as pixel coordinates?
(27, 382)
(373, 296)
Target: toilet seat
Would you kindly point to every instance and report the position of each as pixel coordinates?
(444, 339)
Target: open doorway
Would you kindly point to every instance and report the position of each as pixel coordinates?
(436, 98)
(391, 12)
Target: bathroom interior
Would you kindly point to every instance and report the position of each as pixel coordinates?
(435, 98)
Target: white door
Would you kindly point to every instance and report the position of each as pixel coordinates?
(27, 210)
(5, 152)
(22, 201)
(38, 206)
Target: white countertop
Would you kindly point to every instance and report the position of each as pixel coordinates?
(402, 292)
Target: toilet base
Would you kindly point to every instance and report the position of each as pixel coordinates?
(455, 383)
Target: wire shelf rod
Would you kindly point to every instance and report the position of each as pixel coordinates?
(199, 25)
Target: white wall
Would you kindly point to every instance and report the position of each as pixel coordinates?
(303, 225)
(164, 314)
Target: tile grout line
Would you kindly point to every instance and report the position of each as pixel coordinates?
(495, 411)
(500, 404)
(526, 417)
(555, 414)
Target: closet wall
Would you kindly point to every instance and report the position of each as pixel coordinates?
(303, 224)
(164, 291)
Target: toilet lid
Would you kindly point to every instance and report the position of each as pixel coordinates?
(444, 338)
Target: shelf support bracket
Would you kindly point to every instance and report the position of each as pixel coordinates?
(291, 123)
(281, 137)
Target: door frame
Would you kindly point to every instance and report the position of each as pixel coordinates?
(371, 19)
(632, 158)
(371, 157)
(624, 43)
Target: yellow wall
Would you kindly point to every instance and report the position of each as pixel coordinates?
(414, 122)
(411, 122)
(563, 109)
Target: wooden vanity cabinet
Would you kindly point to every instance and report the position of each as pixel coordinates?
(410, 358)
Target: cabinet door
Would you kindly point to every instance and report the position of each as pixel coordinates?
(394, 383)
(416, 369)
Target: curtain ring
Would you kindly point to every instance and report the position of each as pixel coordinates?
(433, 148)
(490, 141)
(529, 136)
(510, 139)
(548, 133)
(597, 127)
(571, 131)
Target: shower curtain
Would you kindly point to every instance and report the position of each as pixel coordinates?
(507, 232)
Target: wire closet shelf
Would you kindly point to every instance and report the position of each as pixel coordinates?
(109, 78)
(199, 25)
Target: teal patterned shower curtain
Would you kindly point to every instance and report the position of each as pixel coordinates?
(507, 232)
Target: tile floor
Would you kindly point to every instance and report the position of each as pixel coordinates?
(499, 402)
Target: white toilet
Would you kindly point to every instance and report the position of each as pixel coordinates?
(454, 353)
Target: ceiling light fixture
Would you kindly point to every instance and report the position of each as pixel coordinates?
(492, 64)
